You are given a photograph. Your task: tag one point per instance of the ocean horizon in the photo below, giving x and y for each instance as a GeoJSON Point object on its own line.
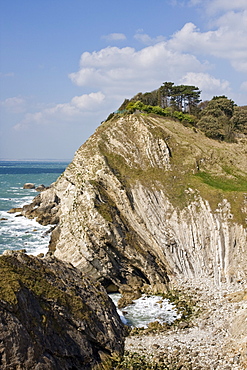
{"type": "Point", "coordinates": [35, 160]}
{"type": "Point", "coordinates": [18, 232]}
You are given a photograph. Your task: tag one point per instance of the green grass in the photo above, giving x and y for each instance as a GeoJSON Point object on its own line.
{"type": "Point", "coordinates": [217, 180]}
{"type": "Point", "coordinates": [238, 184]}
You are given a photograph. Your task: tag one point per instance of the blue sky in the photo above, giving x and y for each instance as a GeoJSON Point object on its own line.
{"type": "Point", "coordinates": [65, 65]}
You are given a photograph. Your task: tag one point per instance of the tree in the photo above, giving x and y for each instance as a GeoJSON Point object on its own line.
{"type": "Point", "coordinates": [216, 119]}
{"type": "Point", "coordinates": [191, 98]}
{"type": "Point", "coordinates": [164, 94]}
{"type": "Point", "coordinates": [211, 127]}
{"type": "Point", "coordinates": [224, 104]}
{"type": "Point", "coordinates": [181, 98]}
{"type": "Point", "coordinates": [239, 119]}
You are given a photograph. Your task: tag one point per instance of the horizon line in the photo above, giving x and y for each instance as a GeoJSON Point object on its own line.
{"type": "Point", "coordinates": [35, 160]}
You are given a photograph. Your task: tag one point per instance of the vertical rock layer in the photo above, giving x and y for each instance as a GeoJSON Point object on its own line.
{"type": "Point", "coordinates": [146, 200]}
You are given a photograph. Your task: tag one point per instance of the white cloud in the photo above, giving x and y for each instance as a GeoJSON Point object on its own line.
{"type": "Point", "coordinates": [88, 101]}
{"type": "Point", "coordinates": [119, 73]}
{"type": "Point", "coordinates": [195, 2]}
{"type": "Point", "coordinates": [30, 118]}
{"type": "Point", "coordinates": [209, 85]}
{"type": "Point", "coordinates": [244, 86]}
{"type": "Point", "coordinates": [146, 39]}
{"type": "Point", "coordinates": [77, 107]}
{"type": "Point", "coordinates": [180, 3]}
{"type": "Point", "coordinates": [15, 104]}
{"type": "Point", "coordinates": [3, 75]}
{"type": "Point", "coordinates": [227, 41]}
{"type": "Point", "coordinates": [117, 68]}
{"type": "Point", "coordinates": [115, 37]}
{"type": "Point", "coordinates": [214, 6]}
{"type": "Point", "coordinates": [128, 71]}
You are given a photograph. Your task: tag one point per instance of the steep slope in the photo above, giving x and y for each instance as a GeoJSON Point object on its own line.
{"type": "Point", "coordinates": [53, 317]}
{"type": "Point", "coordinates": [146, 201]}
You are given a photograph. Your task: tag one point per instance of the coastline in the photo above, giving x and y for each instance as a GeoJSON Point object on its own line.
{"type": "Point", "coordinates": [18, 232]}
{"type": "Point", "coordinates": [213, 340]}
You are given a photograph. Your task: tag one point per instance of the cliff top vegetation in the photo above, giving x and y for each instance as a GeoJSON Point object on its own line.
{"type": "Point", "coordinates": [219, 119]}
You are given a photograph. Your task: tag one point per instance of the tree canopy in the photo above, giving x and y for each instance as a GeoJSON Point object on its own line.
{"type": "Point", "coordinates": [181, 98]}
{"type": "Point", "coordinates": [220, 118]}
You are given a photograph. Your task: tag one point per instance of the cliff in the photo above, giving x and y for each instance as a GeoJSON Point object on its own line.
{"type": "Point", "coordinates": [148, 204]}
{"type": "Point", "coordinates": [146, 201]}
{"type": "Point", "coordinates": [53, 317]}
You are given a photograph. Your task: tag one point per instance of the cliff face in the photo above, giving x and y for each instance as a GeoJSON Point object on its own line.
{"type": "Point", "coordinates": [52, 317]}
{"type": "Point", "coordinates": [146, 200]}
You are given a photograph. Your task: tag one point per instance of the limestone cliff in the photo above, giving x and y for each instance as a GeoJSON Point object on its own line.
{"type": "Point", "coordinates": [146, 200]}
{"type": "Point", "coordinates": [53, 317]}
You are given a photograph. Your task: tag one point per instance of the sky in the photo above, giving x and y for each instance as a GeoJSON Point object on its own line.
{"type": "Point", "coordinates": [65, 65]}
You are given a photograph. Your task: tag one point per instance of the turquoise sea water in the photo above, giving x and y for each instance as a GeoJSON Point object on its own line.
{"type": "Point", "coordinates": [18, 232]}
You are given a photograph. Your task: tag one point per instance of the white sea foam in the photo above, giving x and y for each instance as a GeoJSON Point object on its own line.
{"type": "Point", "coordinates": [18, 202]}
{"type": "Point", "coordinates": [19, 232]}
{"type": "Point", "coordinates": [147, 309]}
{"type": "Point", "coordinates": [23, 233]}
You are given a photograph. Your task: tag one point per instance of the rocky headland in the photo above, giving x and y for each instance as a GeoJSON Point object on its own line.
{"type": "Point", "coordinates": [149, 205]}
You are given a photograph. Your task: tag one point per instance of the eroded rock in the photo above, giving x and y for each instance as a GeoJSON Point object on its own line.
{"type": "Point", "coordinates": [40, 188]}
{"type": "Point", "coordinates": [44, 208]}
{"type": "Point", "coordinates": [133, 203]}
{"type": "Point", "coordinates": [53, 317]}
{"type": "Point", "coordinates": [147, 203]}
{"type": "Point", "coordinates": [15, 210]}
{"type": "Point", "coordinates": [29, 185]}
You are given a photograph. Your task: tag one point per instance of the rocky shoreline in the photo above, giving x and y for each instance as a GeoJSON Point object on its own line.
{"type": "Point", "coordinates": [144, 208]}
{"type": "Point", "coordinates": [212, 338]}
{"type": "Point", "coordinates": [215, 340]}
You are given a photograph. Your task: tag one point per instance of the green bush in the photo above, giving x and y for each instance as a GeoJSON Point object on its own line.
{"type": "Point", "coordinates": [166, 112]}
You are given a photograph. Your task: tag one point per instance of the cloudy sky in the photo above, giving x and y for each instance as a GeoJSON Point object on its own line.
{"type": "Point", "coordinates": [66, 64]}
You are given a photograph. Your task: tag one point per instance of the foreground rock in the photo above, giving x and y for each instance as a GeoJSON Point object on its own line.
{"type": "Point", "coordinates": [52, 317]}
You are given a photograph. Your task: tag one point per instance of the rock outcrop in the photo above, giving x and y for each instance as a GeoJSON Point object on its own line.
{"type": "Point", "coordinates": [28, 185]}
{"type": "Point", "coordinates": [148, 204]}
{"type": "Point", "coordinates": [15, 210]}
{"type": "Point", "coordinates": [53, 317]}
{"type": "Point", "coordinates": [44, 208]}
{"type": "Point", "coordinates": [40, 188]}
{"type": "Point", "coordinates": [147, 200]}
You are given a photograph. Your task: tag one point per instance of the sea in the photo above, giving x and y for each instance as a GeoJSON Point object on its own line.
{"type": "Point", "coordinates": [18, 232]}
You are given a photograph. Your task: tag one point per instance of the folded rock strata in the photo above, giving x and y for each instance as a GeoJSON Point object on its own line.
{"type": "Point", "coordinates": [147, 203]}
{"type": "Point", "coordinates": [146, 200]}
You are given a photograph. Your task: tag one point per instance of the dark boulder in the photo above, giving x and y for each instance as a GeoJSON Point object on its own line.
{"type": "Point", "coordinates": [40, 188]}
{"type": "Point", "coordinates": [53, 317]}
{"type": "Point", "coordinates": [29, 185]}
